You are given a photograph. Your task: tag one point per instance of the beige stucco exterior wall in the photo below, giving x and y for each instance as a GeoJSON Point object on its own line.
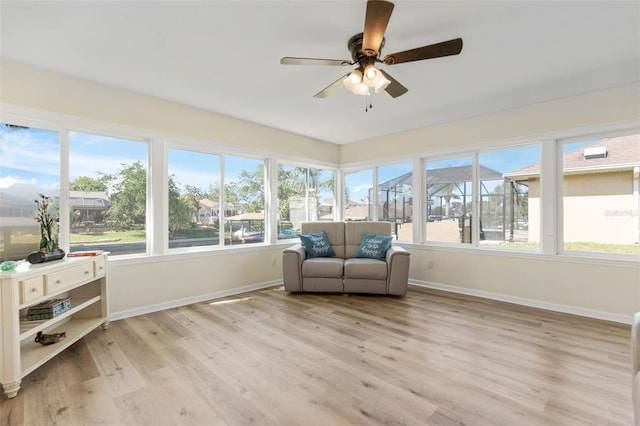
{"type": "Point", "coordinates": [598, 207]}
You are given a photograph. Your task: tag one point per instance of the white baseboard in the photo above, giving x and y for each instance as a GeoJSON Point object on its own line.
{"type": "Point", "coordinates": [114, 316]}
{"type": "Point", "coordinates": [589, 313]}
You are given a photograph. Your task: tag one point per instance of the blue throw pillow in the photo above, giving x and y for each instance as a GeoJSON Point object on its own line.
{"type": "Point", "coordinates": [317, 245]}
{"type": "Point", "coordinates": [374, 246]}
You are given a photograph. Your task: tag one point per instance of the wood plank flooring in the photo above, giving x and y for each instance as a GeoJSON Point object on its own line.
{"type": "Point", "coordinates": [273, 358]}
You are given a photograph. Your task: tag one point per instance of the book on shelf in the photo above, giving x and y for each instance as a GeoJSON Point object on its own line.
{"type": "Point", "coordinates": [84, 253]}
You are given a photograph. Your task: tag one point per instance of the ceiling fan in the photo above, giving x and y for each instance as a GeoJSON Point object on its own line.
{"type": "Point", "coordinates": [365, 51]}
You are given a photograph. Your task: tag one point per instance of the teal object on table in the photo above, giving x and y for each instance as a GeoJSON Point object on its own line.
{"type": "Point", "coordinates": [8, 265]}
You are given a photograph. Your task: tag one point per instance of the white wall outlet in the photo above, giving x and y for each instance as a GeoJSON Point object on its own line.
{"type": "Point", "coordinates": [429, 263]}
{"type": "Point", "coordinates": [274, 261]}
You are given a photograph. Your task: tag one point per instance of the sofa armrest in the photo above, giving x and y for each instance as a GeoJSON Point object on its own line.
{"type": "Point", "coordinates": [635, 366]}
{"type": "Point", "coordinates": [398, 259]}
{"type": "Point", "coordinates": [292, 258]}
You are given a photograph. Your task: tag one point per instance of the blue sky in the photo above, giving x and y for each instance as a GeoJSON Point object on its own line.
{"type": "Point", "coordinates": [32, 156]}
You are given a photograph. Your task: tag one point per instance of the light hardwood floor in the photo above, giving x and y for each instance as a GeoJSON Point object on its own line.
{"type": "Point", "coordinates": [273, 358]}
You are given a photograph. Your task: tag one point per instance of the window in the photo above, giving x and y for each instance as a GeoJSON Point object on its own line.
{"type": "Point", "coordinates": [600, 195]}
{"type": "Point", "coordinates": [395, 200]}
{"type": "Point", "coordinates": [244, 181]}
{"type": "Point", "coordinates": [194, 198]}
{"type": "Point", "coordinates": [107, 194]}
{"type": "Point", "coordinates": [29, 166]}
{"type": "Point", "coordinates": [509, 207]}
{"type": "Point", "coordinates": [358, 187]}
{"type": "Point", "coordinates": [304, 194]}
{"type": "Point", "coordinates": [449, 200]}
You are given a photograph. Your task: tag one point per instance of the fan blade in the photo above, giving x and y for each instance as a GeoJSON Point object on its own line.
{"type": "Point", "coordinates": [375, 24]}
{"type": "Point", "coordinates": [287, 60]}
{"type": "Point", "coordinates": [331, 88]}
{"type": "Point", "coordinates": [445, 48]}
{"type": "Point", "coordinates": [394, 88]}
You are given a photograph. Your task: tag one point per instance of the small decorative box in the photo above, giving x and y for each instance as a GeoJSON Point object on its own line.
{"type": "Point", "coordinates": [49, 309]}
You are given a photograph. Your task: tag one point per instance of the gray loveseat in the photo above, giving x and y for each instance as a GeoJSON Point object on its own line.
{"type": "Point", "coordinates": [344, 273]}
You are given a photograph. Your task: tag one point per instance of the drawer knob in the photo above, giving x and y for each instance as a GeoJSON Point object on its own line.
{"type": "Point", "coordinates": [58, 282]}
{"type": "Point", "coordinates": [33, 289]}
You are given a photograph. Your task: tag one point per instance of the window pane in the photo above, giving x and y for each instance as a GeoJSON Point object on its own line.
{"type": "Point", "coordinates": [600, 195]}
{"type": "Point", "coordinates": [29, 166]}
{"type": "Point", "coordinates": [510, 198]}
{"type": "Point", "coordinates": [244, 200]}
{"type": "Point", "coordinates": [394, 198]}
{"type": "Point", "coordinates": [358, 195]}
{"type": "Point", "coordinates": [304, 195]}
{"type": "Point", "coordinates": [449, 196]}
{"type": "Point", "coordinates": [108, 193]}
{"type": "Point", "coordinates": [194, 196]}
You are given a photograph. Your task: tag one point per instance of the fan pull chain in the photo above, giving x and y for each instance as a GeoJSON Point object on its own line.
{"type": "Point", "coordinates": [367, 100]}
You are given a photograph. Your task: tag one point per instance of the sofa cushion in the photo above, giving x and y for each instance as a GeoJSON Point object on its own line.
{"type": "Point", "coordinates": [373, 246]}
{"type": "Point", "coordinates": [323, 267]}
{"type": "Point", "coordinates": [361, 268]}
{"type": "Point", "coordinates": [353, 234]}
{"type": "Point", "coordinates": [333, 230]}
{"type": "Point", "coordinates": [316, 245]}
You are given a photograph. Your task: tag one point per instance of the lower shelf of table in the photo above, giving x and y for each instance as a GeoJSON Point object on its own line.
{"type": "Point", "coordinates": [33, 355]}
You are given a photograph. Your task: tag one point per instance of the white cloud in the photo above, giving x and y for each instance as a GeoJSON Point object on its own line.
{"type": "Point", "coordinates": [8, 181]}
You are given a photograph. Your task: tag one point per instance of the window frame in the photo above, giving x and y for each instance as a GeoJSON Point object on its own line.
{"type": "Point", "coordinates": [157, 210]}
{"type": "Point", "coordinates": [304, 165]}
{"type": "Point", "coordinates": [615, 131]}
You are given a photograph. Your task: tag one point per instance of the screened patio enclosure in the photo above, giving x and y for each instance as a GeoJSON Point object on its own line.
{"type": "Point", "coordinates": [502, 202]}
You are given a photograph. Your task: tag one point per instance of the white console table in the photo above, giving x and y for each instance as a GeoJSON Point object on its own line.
{"type": "Point", "coordinates": [82, 279]}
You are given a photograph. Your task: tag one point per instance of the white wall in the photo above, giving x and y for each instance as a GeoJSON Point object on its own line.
{"type": "Point", "coordinates": [606, 106]}
{"type": "Point", "coordinates": [139, 286]}
{"type": "Point", "coordinates": [36, 88]}
{"type": "Point", "coordinates": [602, 289]}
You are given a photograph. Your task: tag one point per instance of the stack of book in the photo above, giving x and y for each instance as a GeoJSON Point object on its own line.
{"type": "Point", "coordinates": [49, 309]}
{"type": "Point", "coordinates": [85, 253]}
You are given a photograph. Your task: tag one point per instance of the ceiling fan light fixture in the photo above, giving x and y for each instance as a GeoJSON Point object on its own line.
{"type": "Point", "coordinates": [355, 77]}
{"type": "Point", "coordinates": [370, 75]}
{"type": "Point", "coordinates": [354, 83]}
{"type": "Point", "coordinates": [362, 90]}
{"type": "Point", "coordinates": [381, 83]}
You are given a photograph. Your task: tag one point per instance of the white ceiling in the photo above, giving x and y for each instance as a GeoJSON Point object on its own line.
{"type": "Point", "coordinates": [223, 56]}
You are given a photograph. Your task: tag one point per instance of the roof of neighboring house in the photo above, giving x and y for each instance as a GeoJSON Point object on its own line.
{"type": "Point", "coordinates": [89, 200]}
{"type": "Point", "coordinates": [207, 203]}
{"type": "Point", "coordinates": [246, 216]}
{"type": "Point", "coordinates": [621, 153]}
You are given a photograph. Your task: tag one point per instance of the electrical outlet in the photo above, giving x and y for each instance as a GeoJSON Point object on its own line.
{"type": "Point", "coordinates": [274, 261]}
{"type": "Point", "coordinates": [429, 263]}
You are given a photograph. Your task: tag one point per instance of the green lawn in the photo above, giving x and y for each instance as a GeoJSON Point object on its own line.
{"type": "Point", "coordinates": [109, 237]}
{"type": "Point", "coordinates": [136, 236]}
{"type": "Point", "coordinates": [584, 247]}
{"type": "Point", "coordinates": [139, 236]}
{"type": "Point", "coordinates": [604, 248]}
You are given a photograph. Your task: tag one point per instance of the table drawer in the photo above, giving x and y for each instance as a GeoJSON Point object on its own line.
{"type": "Point", "coordinates": [99, 267]}
{"type": "Point", "coordinates": [57, 281]}
{"type": "Point", "coordinates": [31, 289]}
